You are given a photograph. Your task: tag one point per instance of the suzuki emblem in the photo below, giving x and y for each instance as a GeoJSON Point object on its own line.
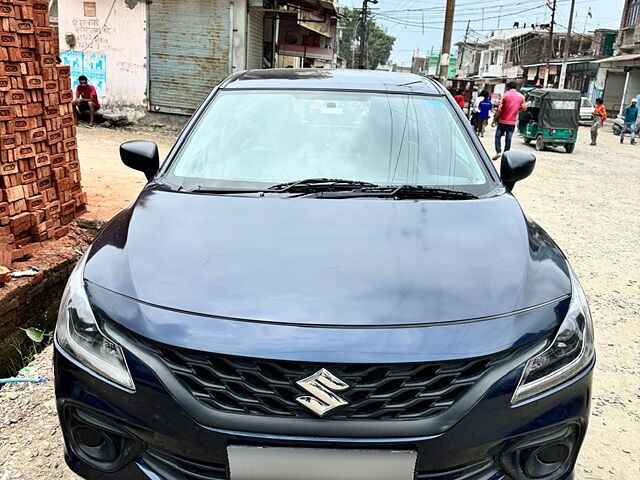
{"type": "Point", "coordinates": [322, 385]}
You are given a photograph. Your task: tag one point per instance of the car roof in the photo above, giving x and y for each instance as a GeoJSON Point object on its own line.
{"type": "Point", "coordinates": [326, 79]}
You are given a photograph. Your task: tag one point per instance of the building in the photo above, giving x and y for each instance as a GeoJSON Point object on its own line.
{"type": "Point", "coordinates": [582, 66]}
{"type": "Point", "coordinates": [166, 55]}
{"type": "Point", "coordinates": [400, 68]}
{"type": "Point", "coordinates": [468, 63]}
{"type": "Point", "coordinates": [428, 65]}
{"type": "Point", "coordinates": [619, 75]}
{"type": "Point", "coordinates": [501, 54]}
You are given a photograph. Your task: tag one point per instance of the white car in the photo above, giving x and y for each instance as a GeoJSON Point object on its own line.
{"type": "Point", "coordinates": [586, 111]}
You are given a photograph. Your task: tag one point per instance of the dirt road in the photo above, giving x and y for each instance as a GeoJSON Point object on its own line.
{"type": "Point", "coordinates": [588, 201]}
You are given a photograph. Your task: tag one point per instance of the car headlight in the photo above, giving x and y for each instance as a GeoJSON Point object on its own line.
{"type": "Point", "coordinates": [78, 333]}
{"type": "Point", "coordinates": [571, 351]}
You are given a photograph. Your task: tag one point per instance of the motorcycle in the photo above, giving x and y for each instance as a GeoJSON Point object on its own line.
{"type": "Point", "coordinates": [618, 124]}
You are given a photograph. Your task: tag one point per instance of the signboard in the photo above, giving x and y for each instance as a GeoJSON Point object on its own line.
{"type": "Point", "coordinates": [316, 23]}
{"type": "Point", "coordinates": [90, 9]}
{"type": "Point", "coordinates": [91, 65]}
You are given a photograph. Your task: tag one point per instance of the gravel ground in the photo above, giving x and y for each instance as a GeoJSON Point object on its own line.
{"type": "Point", "coordinates": [587, 200]}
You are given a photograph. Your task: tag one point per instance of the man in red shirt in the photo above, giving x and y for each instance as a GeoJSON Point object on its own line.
{"type": "Point", "coordinates": [511, 103]}
{"type": "Point", "coordinates": [86, 99]}
{"type": "Point", "coordinates": [459, 98]}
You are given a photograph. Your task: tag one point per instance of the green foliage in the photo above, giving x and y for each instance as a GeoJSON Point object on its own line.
{"type": "Point", "coordinates": [27, 349]}
{"type": "Point", "coordinates": [35, 334]}
{"type": "Point", "coordinates": [379, 44]}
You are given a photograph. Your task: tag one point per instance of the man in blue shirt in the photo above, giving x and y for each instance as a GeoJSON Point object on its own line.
{"type": "Point", "coordinates": [484, 109]}
{"type": "Point", "coordinates": [630, 117]}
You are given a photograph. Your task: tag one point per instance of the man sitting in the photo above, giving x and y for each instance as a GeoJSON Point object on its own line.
{"type": "Point", "coordinates": [86, 100]}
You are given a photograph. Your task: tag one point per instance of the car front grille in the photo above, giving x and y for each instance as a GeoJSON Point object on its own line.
{"type": "Point", "coordinates": [376, 391]}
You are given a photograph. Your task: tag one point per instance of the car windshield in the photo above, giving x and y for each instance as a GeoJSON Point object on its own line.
{"type": "Point", "coordinates": [586, 103]}
{"type": "Point", "coordinates": [258, 138]}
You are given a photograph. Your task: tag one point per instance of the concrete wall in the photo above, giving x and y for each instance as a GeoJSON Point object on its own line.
{"type": "Point", "coordinates": [489, 70]}
{"type": "Point", "coordinates": [119, 36]}
{"type": "Point", "coordinates": [239, 47]}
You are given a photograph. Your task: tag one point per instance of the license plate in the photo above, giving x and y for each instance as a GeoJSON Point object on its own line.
{"type": "Point", "coordinates": [269, 463]}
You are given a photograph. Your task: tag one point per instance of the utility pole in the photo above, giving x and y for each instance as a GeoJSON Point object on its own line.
{"type": "Point", "coordinates": [584, 31]}
{"type": "Point", "coordinates": [567, 45]}
{"type": "Point", "coordinates": [446, 41]}
{"type": "Point", "coordinates": [499, 17]}
{"type": "Point", "coordinates": [464, 44]}
{"type": "Point", "coordinates": [429, 65]}
{"type": "Point", "coordinates": [363, 36]}
{"type": "Point", "coordinates": [550, 46]}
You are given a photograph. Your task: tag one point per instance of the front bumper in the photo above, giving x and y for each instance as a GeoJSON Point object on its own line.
{"type": "Point", "coordinates": [167, 443]}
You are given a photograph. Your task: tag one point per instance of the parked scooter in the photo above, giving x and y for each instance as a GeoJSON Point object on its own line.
{"type": "Point", "coordinates": [618, 123]}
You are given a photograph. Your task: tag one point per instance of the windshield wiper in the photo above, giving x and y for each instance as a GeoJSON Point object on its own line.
{"type": "Point", "coordinates": [223, 191]}
{"type": "Point", "coordinates": [319, 185]}
{"type": "Point", "coordinates": [308, 185]}
{"type": "Point", "coordinates": [403, 192]}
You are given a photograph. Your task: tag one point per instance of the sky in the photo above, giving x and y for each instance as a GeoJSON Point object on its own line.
{"type": "Point", "coordinates": [417, 24]}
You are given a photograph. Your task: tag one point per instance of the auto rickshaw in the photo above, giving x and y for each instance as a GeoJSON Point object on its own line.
{"type": "Point", "coordinates": [552, 118]}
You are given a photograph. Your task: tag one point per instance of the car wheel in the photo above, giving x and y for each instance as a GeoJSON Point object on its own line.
{"type": "Point", "coordinates": [540, 145]}
{"type": "Point", "coordinates": [617, 129]}
{"type": "Point", "coordinates": [569, 147]}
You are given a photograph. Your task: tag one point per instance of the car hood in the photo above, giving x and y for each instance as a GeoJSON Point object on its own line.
{"type": "Point", "coordinates": [356, 262]}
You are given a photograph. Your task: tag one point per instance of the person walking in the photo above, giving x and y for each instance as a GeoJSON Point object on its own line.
{"type": "Point", "coordinates": [511, 103]}
{"type": "Point", "coordinates": [630, 113]}
{"type": "Point", "coordinates": [484, 110]}
{"type": "Point", "coordinates": [599, 117]}
{"type": "Point", "coordinates": [459, 98]}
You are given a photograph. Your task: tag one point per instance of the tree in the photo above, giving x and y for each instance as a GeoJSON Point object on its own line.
{"type": "Point", "coordinates": [379, 44]}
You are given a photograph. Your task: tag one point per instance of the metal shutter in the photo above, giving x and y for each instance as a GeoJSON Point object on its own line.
{"type": "Point", "coordinates": [255, 37]}
{"type": "Point", "coordinates": [188, 52]}
{"type": "Point", "coordinates": [613, 87]}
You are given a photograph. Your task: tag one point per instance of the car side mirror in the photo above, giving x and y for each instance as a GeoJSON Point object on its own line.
{"type": "Point", "coordinates": [516, 166]}
{"type": "Point", "coordinates": [141, 155]}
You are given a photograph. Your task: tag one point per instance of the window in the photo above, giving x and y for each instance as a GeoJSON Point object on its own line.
{"type": "Point", "coordinates": [564, 104]}
{"type": "Point", "coordinates": [267, 137]}
{"type": "Point", "coordinates": [632, 14]}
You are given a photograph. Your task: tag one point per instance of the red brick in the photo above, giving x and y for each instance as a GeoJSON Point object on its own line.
{"type": "Point", "coordinates": [34, 203]}
{"type": "Point", "coordinates": [66, 96]}
{"type": "Point", "coordinates": [5, 84]}
{"type": "Point", "coordinates": [12, 194]}
{"type": "Point", "coordinates": [9, 39]}
{"type": "Point", "coordinates": [27, 177]}
{"type": "Point", "coordinates": [54, 137]}
{"type": "Point", "coordinates": [15, 97]}
{"type": "Point", "coordinates": [25, 151]}
{"type": "Point", "coordinates": [8, 168]}
{"type": "Point", "coordinates": [61, 232]}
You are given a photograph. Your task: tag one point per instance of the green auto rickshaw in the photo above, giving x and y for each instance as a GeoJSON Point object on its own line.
{"type": "Point", "coordinates": [552, 118]}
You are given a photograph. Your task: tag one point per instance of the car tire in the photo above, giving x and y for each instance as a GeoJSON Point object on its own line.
{"type": "Point", "coordinates": [540, 145]}
{"type": "Point", "coordinates": [569, 147]}
{"type": "Point", "coordinates": [617, 130]}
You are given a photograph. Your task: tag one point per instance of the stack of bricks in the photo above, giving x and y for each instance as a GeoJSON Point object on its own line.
{"type": "Point", "coordinates": [40, 192]}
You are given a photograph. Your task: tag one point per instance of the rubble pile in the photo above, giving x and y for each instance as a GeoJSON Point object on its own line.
{"type": "Point", "coordinates": [40, 191]}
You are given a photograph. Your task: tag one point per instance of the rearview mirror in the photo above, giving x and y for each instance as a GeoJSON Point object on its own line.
{"type": "Point", "coordinates": [516, 166]}
{"type": "Point", "coordinates": [141, 155]}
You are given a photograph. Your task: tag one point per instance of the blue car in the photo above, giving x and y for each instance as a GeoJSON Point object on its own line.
{"type": "Point", "coordinates": [326, 279]}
